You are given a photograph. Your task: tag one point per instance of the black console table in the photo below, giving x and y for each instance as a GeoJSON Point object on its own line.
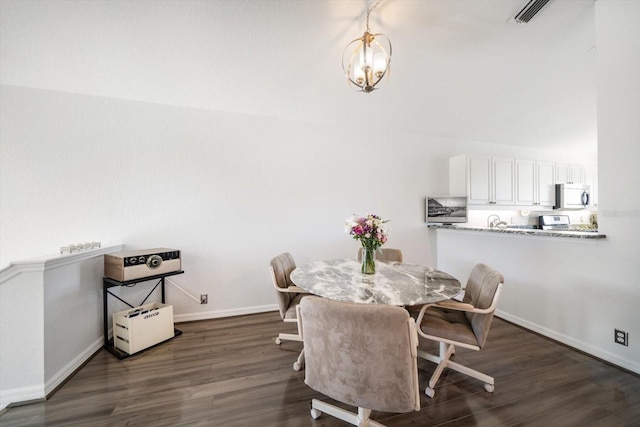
{"type": "Point", "coordinates": [108, 283]}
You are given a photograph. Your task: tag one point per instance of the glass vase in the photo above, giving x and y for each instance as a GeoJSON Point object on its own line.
{"type": "Point", "coordinates": [368, 260]}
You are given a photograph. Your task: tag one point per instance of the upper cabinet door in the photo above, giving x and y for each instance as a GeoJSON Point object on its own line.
{"type": "Point", "coordinates": [525, 182]}
{"type": "Point", "coordinates": [479, 180]}
{"type": "Point", "coordinates": [545, 183]}
{"type": "Point", "coordinates": [562, 173]}
{"type": "Point", "coordinates": [576, 174]}
{"type": "Point", "coordinates": [503, 181]}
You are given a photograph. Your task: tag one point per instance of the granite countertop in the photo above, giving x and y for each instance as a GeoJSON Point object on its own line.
{"type": "Point", "coordinates": [524, 231]}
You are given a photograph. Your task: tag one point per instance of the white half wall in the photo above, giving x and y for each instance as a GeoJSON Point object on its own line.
{"type": "Point", "coordinates": [567, 289]}
{"type": "Point", "coordinates": [51, 321]}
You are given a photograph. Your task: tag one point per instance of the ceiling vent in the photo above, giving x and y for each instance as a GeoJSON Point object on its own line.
{"type": "Point", "coordinates": [530, 10]}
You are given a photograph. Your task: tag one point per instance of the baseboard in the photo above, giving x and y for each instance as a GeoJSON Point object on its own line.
{"type": "Point", "coordinates": [614, 359]}
{"type": "Point", "coordinates": [204, 315]}
{"type": "Point", "coordinates": [40, 392]}
{"type": "Point", "coordinates": [63, 374]}
{"type": "Point", "coordinates": [23, 394]}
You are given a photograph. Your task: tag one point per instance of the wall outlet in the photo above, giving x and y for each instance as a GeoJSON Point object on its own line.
{"type": "Point", "coordinates": [204, 298]}
{"type": "Point", "coordinates": [621, 337]}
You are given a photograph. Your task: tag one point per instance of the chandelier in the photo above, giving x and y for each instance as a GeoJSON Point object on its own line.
{"type": "Point", "coordinates": [366, 60]}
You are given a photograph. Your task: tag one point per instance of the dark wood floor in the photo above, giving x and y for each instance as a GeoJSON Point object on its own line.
{"type": "Point", "coordinates": [228, 372]}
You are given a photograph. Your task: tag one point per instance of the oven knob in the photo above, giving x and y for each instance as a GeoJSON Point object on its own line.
{"type": "Point", "coordinates": [133, 260]}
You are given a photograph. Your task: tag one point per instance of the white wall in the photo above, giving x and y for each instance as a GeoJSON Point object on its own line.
{"type": "Point", "coordinates": [618, 59]}
{"type": "Point", "coordinates": [230, 191]}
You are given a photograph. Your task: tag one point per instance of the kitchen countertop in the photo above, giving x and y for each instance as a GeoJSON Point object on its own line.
{"type": "Point", "coordinates": [524, 231]}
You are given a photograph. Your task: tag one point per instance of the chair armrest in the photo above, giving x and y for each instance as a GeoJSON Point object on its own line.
{"type": "Point", "coordinates": [455, 305]}
{"type": "Point", "coordinates": [292, 289]}
{"type": "Point", "coordinates": [452, 304]}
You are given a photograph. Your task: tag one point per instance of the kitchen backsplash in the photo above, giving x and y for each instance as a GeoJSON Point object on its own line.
{"type": "Point", "coordinates": [478, 218]}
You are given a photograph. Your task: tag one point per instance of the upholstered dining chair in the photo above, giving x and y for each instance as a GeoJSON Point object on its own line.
{"type": "Point", "coordinates": [385, 254]}
{"type": "Point", "coordinates": [465, 324]}
{"type": "Point", "coordinates": [289, 297]}
{"type": "Point", "coordinates": [363, 355]}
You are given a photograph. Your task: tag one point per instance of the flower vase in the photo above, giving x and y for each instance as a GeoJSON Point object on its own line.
{"type": "Point", "coordinates": [368, 260]}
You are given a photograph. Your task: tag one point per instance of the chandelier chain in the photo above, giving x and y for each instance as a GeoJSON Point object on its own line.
{"type": "Point", "coordinates": [371, 10]}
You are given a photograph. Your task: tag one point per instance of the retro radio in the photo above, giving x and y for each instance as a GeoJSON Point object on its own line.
{"type": "Point", "coordinates": [131, 265]}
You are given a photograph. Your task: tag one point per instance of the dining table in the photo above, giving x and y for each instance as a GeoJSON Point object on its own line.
{"type": "Point", "coordinates": [393, 283]}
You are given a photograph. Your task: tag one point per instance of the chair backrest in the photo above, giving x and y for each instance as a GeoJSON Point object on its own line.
{"type": "Point", "coordinates": [481, 292]}
{"type": "Point", "coordinates": [361, 354]}
{"type": "Point", "coordinates": [385, 254]}
{"type": "Point", "coordinates": [281, 268]}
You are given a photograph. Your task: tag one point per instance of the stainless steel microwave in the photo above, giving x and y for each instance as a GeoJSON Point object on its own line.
{"type": "Point", "coordinates": [572, 196]}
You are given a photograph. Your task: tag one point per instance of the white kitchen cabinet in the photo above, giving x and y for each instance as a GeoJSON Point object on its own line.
{"type": "Point", "coordinates": [535, 183]}
{"type": "Point", "coordinates": [485, 180]}
{"type": "Point", "coordinates": [562, 173]}
{"type": "Point", "coordinates": [491, 180]}
{"type": "Point", "coordinates": [545, 184]}
{"type": "Point", "coordinates": [503, 181]}
{"type": "Point", "coordinates": [569, 174]}
{"type": "Point", "coordinates": [478, 179]}
{"type": "Point", "coordinates": [525, 182]}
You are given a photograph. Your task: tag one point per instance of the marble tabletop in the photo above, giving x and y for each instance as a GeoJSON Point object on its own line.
{"type": "Point", "coordinates": [393, 283]}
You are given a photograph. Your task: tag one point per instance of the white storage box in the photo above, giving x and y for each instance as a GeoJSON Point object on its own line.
{"type": "Point", "coordinates": [141, 327]}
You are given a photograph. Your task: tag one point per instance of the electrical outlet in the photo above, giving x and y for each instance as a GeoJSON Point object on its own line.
{"type": "Point", "coordinates": [204, 298]}
{"type": "Point", "coordinates": [621, 337]}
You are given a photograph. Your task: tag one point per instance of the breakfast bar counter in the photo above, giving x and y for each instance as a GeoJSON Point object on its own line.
{"type": "Point", "coordinates": [570, 234]}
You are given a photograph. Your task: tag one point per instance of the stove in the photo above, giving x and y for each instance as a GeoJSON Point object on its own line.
{"type": "Point", "coordinates": [554, 222]}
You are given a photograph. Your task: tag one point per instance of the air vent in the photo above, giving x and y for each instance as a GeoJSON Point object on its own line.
{"type": "Point", "coordinates": [529, 11]}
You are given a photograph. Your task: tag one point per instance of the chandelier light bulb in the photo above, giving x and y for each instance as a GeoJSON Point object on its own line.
{"type": "Point", "coordinates": [379, 65]}
{"type": "Point", "coordinates": [358, 74]}
{"type": "Point", "coordinates": [366, 55]}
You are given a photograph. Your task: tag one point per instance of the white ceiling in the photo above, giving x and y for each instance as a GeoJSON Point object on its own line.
{"type": "Point", "coordinates": [459, 69]}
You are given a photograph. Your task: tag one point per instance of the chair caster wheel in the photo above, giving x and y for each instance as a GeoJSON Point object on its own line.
{"type": "Point", "coordinates": [297, 366]}
{"type": "Point", "coordinates": [429, 392]}
{"type": "Point", "coordinates": [315, 414]}
{"type": "Point", "coordinates": [489, 387]}
{"type": "Point", "coordinates": [278, 342]}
